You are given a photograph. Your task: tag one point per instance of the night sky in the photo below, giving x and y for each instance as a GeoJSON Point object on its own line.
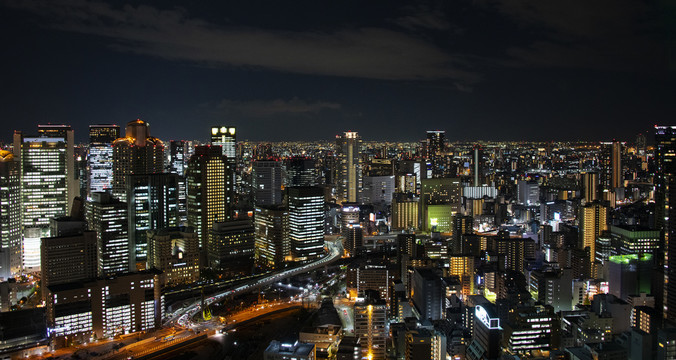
{"type": "Point", "coordinates": [303, 70]}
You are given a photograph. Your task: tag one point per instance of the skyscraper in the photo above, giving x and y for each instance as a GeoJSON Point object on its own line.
{"type": "Point", "coordinates": [592, 222]}
{"type": "Point", "coordinates": [272, 242]}
{"type": "Point", "coordinates": [616, 178]}
{"type": "Point", "coordinates": [47, 178]}
{"type": "Point", "coordinates": [136, 153]}
{"type": "Point", "coordinates": [435, 152]}
{"type": "Point", "coordinates": [665, 211]}
{"type": "Point", "coordinates": [370, 325]}
{"type": "Point", "coordinates": [152, 202]}
{"type": "Point", "coordinates": [300, 171]}
{"type": "Point", "coordinates": [177, 165]}
{"type": "Point", "coordinates": [107, 216]}
{"type": "Point", "coordinates": [477, 165]}
{"type": "Point", "coordinates": [306, 222]}
{"type": "Point", "coordinates": [230, 249]}
{"type": "Point", "coordinates": [349, 177]}
{"type": "Point", "coordinates": [206, 188]}
{"type": "Point", "coordinates": [590, 183]}
{"type": "Point", "coordinates": [224, 136]}
{"type": "Point", "coordinates": [267, 182]}
{"type": "Point", "coordinates": [10, 216]}
{"type": "Point", "coordinates": [100, 159]}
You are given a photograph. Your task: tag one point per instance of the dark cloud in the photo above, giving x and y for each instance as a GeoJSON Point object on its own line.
{"type": "Point", "coordinates": [267, 108]}
{"type": "Point", "coordinates": [616, 35]}
{"type": "Point", "coordinates": [366, 52]}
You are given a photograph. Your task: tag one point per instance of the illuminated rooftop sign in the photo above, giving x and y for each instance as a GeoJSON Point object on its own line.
{"type": "Point", "coordinates": [482, 315]}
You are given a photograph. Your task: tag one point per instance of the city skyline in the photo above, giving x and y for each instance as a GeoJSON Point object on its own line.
{"type": "Point", "coordinates": [481, 70]}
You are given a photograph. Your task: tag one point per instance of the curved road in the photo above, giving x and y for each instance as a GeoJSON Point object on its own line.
{"type": "Point", "coordinates": [186, 313]}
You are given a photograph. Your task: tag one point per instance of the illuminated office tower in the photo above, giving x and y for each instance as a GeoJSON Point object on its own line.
{"type": "Point", "coordinates": [177, 165]}
{"type": "Point", "coordinates": [136, 153]}
{"type": "Point", "coordinates": [100, 159]}
{"type": "Point", "coordinates": [272, 242]}
{"type": "Point", "coordinates": [66, 258]}
{"type": "Point", "coordinates": [10, 216]}
{"type": "Point", "coordinates": [593, 221]}
{"type": "Point", "coordinates": [616, 178]}
{"type": "Point", "coordinates": [378, 190]}
{"type": "Point", "coordinates": [349, 176]}
{"type": "Point", "coordinates": [267, 182]}
{"type": "Point", "coordinates": [360, 278]}
{"type": "Point", "coordinates": [230, 249]}
{"type": "Point", "coordinates": [590, 184]}
{"type": "Point", "coordinates": [371, 326]}
{"type": "Point", "coordinates": [665, 212]}
{"type": "Point", "coordinates": [440, 191]}
{"type": "Point", "coordinates": [404, 212]}
{"type": "Point", "coordinates": [224, 136]}
{"type": "Point", "coordinates": [300, 171]}
{"type": "Point", "coordinates": [530, 329]}
{"type": "Point", "coordinates": [175, 252]}
{"type": "Point", "coordinates": [48, 183]}
{"type": "Point", "coordinates": [206, 188]}
{"type": "Point", "coordinates": [152, 202]}
{"type": "Point", "coordinates": [306, 222]}
{"type": "Point", "coordinates": [477, 165]}
{"type": "Point", "coordinates": [435, 151]}
{"type": "Point", "coordinates": [107, 216]}
{"type": "Point", "coordinates": [104, 308]}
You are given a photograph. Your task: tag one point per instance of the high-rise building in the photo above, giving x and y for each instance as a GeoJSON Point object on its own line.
{"type": "Point", "coordinates": [592, 222]}
{"type": "Point", "coordinates": [354, 238]}
{"type": "Point", "coordinates": [436, 148]}
{"type": "Point", "coordinates": [272, 242]}
{"type": "Point", "coordinates": [225, 137]}
{"type": "Point", "coordinates": [349, 179]}
{"type": "Point", "coordinates": [528, 192]}
{"type": "Point", "coordinates": [300, 171]}
{"type": "Point", "coordinates": [665, 212]}
{"type": "Point", "coordinates": [616, 178]}
{"type": "Point", "coordinates": [404, 212]}
{"type": "Point", "coordinates": [107, 217]}
{"type": "Point", "coordinates": [371, 325]}
{"type": "Point", "coordinates": [100, 159]}
{"type": "Point", "coordinates": [485, 342]}
{"type": "Point", "coordinates": [68, 258]}
{"type": "Point", "coordinates": [378, 190]}
{"type": "Point", "coordinates": [428, 294]}
{"type": "Point", "coordinates": [47, 179]}
{"type": "Point", "coordinates": [306, 222]}
{"type": "Point", "coordinates": [462, 266]}
{"type": "Point", "coordinates": [152, 203]}
{"type": "Point", "coordinates": [136, 153]}
{"type": "Point", "coordinates": [207, 190]}
{"type": "Point", "coordinates": [635, 240]}
{"type": "Point", "coordinates": [439, 191]}
{"type": "Point", "coordinates": [82, 311]}
{"type": "Point", "coordinates": [10, 216]}
{"type": "Point", "coordinates": [530, 329]}
{"type": "Point", "coordinates": [231, 246]}
{"type": "Point", "coordinates": [477, 165]}
{"type": "Point", "coordinates": [362, 277]}
{"type": "Point", "coordinates": [590, 184]}
{"type": "Point", "coordinates": [178, 162]}
{"type": "Point", "coordinates": [425, 344]}
{"type": "Point", "coordinates": [175, 252]}
{"type": "Point", "coordinates": [267, 181]}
